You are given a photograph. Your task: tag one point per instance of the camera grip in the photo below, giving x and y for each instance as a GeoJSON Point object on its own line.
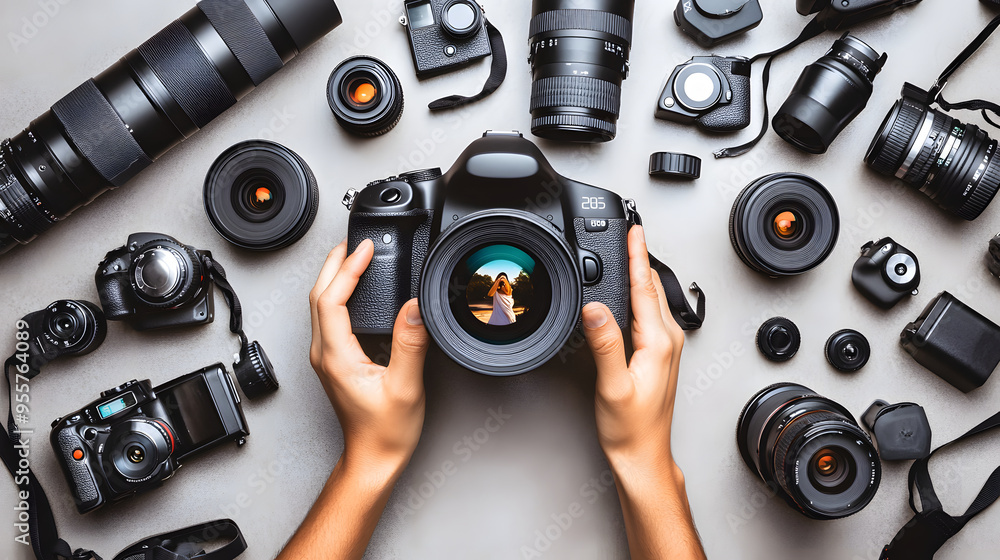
{"type": "Point", "coordinates": [611, 246]}
{"type": "Point", "coordinates": [401, 241]}
{"type": "Point", "coordinates": [735, 115]}
{"type": "Point", "coordinates": [111, 289]}
{"type": "Point", "coordinates": [78, 474]}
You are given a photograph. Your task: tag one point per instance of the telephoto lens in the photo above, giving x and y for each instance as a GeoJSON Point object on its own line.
{"type": "Point", "coordinates": [828, 95]}
{"type": "Point", "coordinates": [578, 53]}
{"type": "Point", "coordinates": [261, 196]}
{"type": "Point", "coordinates": [365, 96]}
{"type": "Point", "coordinates": [953, 163]}
{"type": "Point", "coordinates": [784, 224]}
{"type": "Point", "coordinates": [113, 126]}
{"type": "Point", "coordinates": [810, 450]}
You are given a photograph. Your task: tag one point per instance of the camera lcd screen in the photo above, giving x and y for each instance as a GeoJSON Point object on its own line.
{"type": "Point", "coordinates": [420, 14]}
{"type": "Point", "coordinates": [193, 412]}
{"type": "Point", "coordinates": [115, 406]}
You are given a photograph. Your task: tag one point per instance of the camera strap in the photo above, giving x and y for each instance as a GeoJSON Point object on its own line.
{"type": "Point", "coordinates": [184, 544]}
{"type": "Point", "coordinates": [814, 28]}
{"type": "Point", "coordinates": [931, 527]}
{"type": "Point", "coordinates": [498, 71]}
{"type": "Point", "coordinates": [218, 275]}
{"type": "Point", "coordinates": [934, 95]}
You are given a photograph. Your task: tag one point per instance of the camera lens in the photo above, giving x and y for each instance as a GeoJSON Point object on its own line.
{"type": "Point", "coordinates": [259, 195]}
{"type": "Point", "coordinates": [365, 96]}
{"type": "Point", "coordinates": [810, 450]}
{"type": "Point", "coordinates": [461, 18]}
{"type": "Point", "coordinates": [135, 453]}
{"type": "Point", "coordinates": [75, 326]}
{"type": "Point", "coordinates": [828, 95]}
{"type": "Point", "coordinates": [111, 127]}
{"type": "Point", "coordinates": [848, 350]}
{"type": "Point", "coordinates": [579, 59]}
{"type": "Point", "coordinates": [952, 163]}
{"type": "Point", "coordinates": [501, 292]}
{"type": "Point", "coordinates": [784, 224]}
{"type": "Point", "coordinates": [136, 448]}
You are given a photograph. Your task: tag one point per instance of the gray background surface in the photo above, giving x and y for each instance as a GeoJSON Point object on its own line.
{"type": "Point", "coordinates": [545, 457]}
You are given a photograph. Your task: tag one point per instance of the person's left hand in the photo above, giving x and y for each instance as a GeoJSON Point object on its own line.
{"type": "Point", "coordinates": [381, 409]}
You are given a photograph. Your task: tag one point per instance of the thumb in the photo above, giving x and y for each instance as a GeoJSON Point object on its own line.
{"type": "Point", "coordinates": [605, 340]}
{"type": "Point", "coordinates": [409, 342]}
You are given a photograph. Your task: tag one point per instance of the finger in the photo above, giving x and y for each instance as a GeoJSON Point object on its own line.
{"type": "Point", "coordinates": [333, 261]}
{"type": "Point", "coordinates": [606, 343]}
{"type": "Point", "coordinates": [409, 348]}
{"type": "Point", "coordinates": [334, 320]}
{"type": "Point", "coordinates": [646, 315]}
{"type": "Point", "coordinates": [676, 336]}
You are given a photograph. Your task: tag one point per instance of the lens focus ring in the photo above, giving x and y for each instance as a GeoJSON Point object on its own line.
{"type": "Point", "coordinates": [591, 20]}
{"type": "Point", "coordinates": [985, 191]}
{"type": "Point", "coordinates": [576, 91]}
{"type": "Point", "coordinates": [901, 130]}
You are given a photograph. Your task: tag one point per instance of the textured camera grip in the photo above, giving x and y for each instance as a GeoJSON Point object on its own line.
{"type": "Point", "coordinates": [78, 474]}
{"type": "Point", "coordinates": [612, 246]}
{"type": "Point", "coordinates": [735, 115]}
{"type": "Point", "coordinates": [393, 277]}
{"type": "Point", "coordinates": [429, 45]}
{"type": "Point", "coordinates": [111, 291]}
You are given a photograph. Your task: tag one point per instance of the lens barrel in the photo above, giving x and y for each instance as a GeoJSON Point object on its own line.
{"type": "Point", "coordinates": [579, 52]}
{"type": "Point", "coordinates": [365, 96]}
{"type": "Point", "coordinates": [113, 126]}
{"type": "Point", "coordinates": [784, 224]}
{"type": "Point", "coordinates": [953, 163]}
{"type": "Point", "coordinates": [810, 450]}
{"type": "Point", "coordinates": [828, 95]}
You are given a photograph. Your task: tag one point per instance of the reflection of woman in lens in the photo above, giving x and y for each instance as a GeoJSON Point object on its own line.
{"type": "Point", "coordinates": [503, 301]}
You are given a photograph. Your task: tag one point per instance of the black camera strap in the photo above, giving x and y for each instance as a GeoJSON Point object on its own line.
{"type": "Point", "coordinates": [931, 527]}
{"type": "Point", "coordinates": [184, 544]}
{"type": "Point", "coordinates": [934, 95]}
{"type": "Point", "coordinates": [218, 275]}
{"type": "Point", "coordinates": [498, 71]}
{"type": "Point", "coordinates": [813, 29]}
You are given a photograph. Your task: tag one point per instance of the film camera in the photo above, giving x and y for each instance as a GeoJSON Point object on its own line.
{"type": "Point", "coordinates": [710, 91]}
{"type": "Point", "coordinates": [445, 34]}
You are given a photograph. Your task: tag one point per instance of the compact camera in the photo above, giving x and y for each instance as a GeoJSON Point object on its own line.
{"type": "Point", "coordinates": [445, 34]}
{"type": "Point", "coordinates": [710, 91]}
{"type": "Point", "coordinates": [65, 328]}
{"type": "Point", "coordinates": [501, 212]}
{"type": "Point", "coordinates": [155, 281]}
{"type": "Point", "coordinates": [886, 272]}
{"type": "Point", "coordinates": [135, 436]}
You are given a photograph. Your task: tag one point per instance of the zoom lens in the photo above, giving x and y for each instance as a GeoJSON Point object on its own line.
{"type": "Point", "coordinates": [113, 126]}
{"type": "Point", "coordinates": [810, 450]}
{"type": "Point", "coordinates": [828, 95]}
{"type": "Point", "coordinates": [579, 53]}
{"type": "Point", "coordinates": [501, 292]}
{"type": "Point", "coordinates": [784, 224]}
{"type": "Point", "coordinates": [953, 163]}
{"type": "Point", "coordinates": [261, 196]}
{"type": "Point", "coordinates": [365, 96]}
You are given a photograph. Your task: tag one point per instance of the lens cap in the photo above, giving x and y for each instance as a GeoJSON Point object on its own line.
{"type": "Point", "coordinates": [255, 372]}
{"type": "Point", "coordinates": [671, 165]}
{"type": "Point", "coordinates": [778, 339]}
{"type": "Point", "coordinates": [848, 350]}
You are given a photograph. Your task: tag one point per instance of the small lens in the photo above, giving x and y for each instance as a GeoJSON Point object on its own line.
{"type": "Point", "coordinates": [786, 225]}
{"type": "Point", "coordinates": [135, 453]}
{"type": "Point", "coordinates": [63, 325]}
{"type": "Point", "coordinates": [365, 96]}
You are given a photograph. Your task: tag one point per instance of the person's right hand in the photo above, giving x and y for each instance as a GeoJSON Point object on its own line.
{"type": "Point", "coordinates": [635, 400]}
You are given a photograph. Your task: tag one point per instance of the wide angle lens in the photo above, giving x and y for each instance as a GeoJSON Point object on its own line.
{"type": "Point", "coordinates": [579, 52]}
{"type": "Point", "coordinates": [810, 449]}
{"type": "Point", "coordinates": [113, 126]}
{"type": "Point", "coordinates": [501, 292]}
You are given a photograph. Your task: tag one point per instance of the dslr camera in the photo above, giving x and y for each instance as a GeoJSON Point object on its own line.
{"type": "Point", "coordinates": [502, 251]}
{"type": "Point", "coordinates": [155, 281]}
{"type": "Point", "coordinates": [712, 92]}
{"type": "Point", "coordinates": [445, 34]}
{"type": "Point", "coordinates": [135, 436]}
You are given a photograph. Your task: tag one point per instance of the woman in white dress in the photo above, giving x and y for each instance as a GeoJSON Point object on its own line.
{"type": "Point", "coordinates": [503, 301]}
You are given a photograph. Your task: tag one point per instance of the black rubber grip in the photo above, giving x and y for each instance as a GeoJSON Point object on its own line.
{"type": "Point", "coordinates": [78, 474]}
{"type": "Point", "coordinates": [589, 20]}
{"type": "Point", "coordinates": [244, 35]}
{"type": "Point", "coordinates": [576, 91]}
{"type": "Point", "coordinates": [100, 135]}
{"type": "Point", "coordinates": [188, 75]}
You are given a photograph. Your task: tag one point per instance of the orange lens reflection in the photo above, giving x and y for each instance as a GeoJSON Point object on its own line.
{"type": "Point", "coordinates": [364, 93]}
{"type": "Point", "coordinates": [786, 225]}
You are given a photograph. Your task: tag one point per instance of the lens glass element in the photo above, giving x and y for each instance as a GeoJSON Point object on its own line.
{"type": "Point", "coordinates": [500, 289]}
{"type": "Point", "coordinates": [786, 225]}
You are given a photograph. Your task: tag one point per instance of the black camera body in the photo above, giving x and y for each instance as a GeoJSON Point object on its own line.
{"type": "Point", "coordinates": [886, 272]}
{"type": "Point", "coordinates": [64, 328]}
{"type": "Point", "coordinates": [135, 436]}
{"type": "Point", "coordinates": [445, 34]}
{"type": "Point", "coordinates": [710, 91]}
{"type": "Point", "coordinates": [840, 15]}
{"type": "Point", "coordinates": [501, 191]}
{"type": "Point", "coordinates": [155, 281]}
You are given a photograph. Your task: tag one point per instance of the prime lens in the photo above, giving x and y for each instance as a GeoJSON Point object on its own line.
{"type": "Point", "coordinates": [113, 126]}
{"type": "Point", "coordinates": [951, 162]}
{"type": "Point", "coordinates": [579, 52]}
{"type": "Point", "coordinates": [810, 450]}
